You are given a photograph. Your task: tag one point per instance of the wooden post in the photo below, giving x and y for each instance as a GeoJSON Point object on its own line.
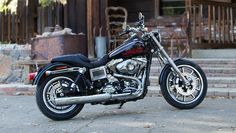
{"type": "Point", "coordinates": [157, 8]}
{"type": "Point", "coordinates": [209, 23]}
{"type": "Point", "coordinates": [90, 29]}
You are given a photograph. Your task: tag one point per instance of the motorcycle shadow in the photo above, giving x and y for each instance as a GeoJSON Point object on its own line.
{"type": "Point", "coordinates": [107, 113]}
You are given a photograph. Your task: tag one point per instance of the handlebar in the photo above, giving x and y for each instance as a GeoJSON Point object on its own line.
{"type": "Point", "coordinates": [139, 27]}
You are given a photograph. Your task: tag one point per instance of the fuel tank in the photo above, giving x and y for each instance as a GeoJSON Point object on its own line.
{"type": "Point", "coordinates": [132, 47]}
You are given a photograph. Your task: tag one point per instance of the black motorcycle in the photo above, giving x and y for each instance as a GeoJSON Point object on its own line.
{"type": "Point", "coordinates": [70, 81]}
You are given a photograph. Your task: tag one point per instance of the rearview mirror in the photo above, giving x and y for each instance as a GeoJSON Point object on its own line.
{"type": "Point", "coordinates": [140, 16]}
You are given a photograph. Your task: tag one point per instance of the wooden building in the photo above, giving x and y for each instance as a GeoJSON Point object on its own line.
{"type": "Point", "coordinates": [197, 23]}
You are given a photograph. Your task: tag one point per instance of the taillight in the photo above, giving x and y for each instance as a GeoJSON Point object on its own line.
{"type": "Point", "coordinates": [31, 76]}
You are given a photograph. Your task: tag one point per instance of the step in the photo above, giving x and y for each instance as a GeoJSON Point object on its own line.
{"type": "Point", "coordinates": [230, 63]}
{"type": "Point", "coordinates": [213, 82]}
{"type": "Point", "coordinates": [209, 71]}
{"type": "Point", "coordinates": [214, 53]}
{"type": "Point", "coordinates": [212, 92]}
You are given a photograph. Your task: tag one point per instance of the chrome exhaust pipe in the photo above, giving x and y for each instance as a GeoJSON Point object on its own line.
{"type": "Point", "coordinates": [101, 97]}
{"type": "Point", "coordinates": [82, 99]}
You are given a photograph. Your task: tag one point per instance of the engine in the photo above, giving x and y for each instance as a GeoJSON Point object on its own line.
{"type": "Point", "coordinates": [131, 67]}
{"type": "Point", "coordinates": [123, 77]}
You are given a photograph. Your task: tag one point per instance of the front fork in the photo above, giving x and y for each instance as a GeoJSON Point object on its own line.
{"type": "Point", "coordinates": [171, 62]}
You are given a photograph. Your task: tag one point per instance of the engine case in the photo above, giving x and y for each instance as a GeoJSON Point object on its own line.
{"type": "Point", "coordinates": [130, 66]}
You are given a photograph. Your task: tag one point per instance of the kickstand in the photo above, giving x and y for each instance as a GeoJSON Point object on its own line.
{"type": "Point", "coordinates": [121, 104]}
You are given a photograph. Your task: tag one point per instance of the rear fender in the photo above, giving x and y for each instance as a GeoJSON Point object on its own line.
{"type": "Point", "coordinates": [167, 66]}
{"type": "Point", "coordinates": [41, 73]}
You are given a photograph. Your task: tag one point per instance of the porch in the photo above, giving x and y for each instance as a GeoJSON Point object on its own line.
{"type": "Point", "coordinates": [185, 24]}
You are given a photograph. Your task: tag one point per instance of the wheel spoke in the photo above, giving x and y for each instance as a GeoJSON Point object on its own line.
{"type": "Point", "coordinates": [178, 95]}
{"type": "Point", "coordinates": [192, 72]}
{"type": "Point", "coordinates": [183, 98]}
{"type": "Point", "coordinates": [198, 89]}
{"type": "Point", "coordinates": [193, 96]}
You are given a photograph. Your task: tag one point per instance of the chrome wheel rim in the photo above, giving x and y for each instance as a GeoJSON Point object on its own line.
{"type": "Point", "coordinates": [50, 92]}
{"type": "Point", "coordinates": [177, 90]}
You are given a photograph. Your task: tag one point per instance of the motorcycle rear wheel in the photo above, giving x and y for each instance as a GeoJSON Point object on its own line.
{"type": "Point", "coordinates": [51, 88]}
{"type": "Point", "coordinates": [174, 91]}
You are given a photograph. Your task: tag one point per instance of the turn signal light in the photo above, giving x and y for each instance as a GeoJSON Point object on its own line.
{"type": "Point", "coordinates": [31, 76]}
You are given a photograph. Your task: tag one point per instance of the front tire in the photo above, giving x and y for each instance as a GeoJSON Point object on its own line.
{"type": "Point", "coordinates": [174, 91]}
{"type": "Point", "coordinates": [51, 88]}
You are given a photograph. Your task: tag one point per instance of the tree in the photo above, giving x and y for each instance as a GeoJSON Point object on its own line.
{"type": "Point", "coordinates": [4, 4]}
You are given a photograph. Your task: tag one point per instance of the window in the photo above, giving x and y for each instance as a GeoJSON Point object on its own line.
{"type": "Point", "coordinates": [172, 7]}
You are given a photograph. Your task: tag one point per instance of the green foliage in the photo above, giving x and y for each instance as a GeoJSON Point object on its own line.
{"type": "Point", "coordinates": [45, 3]}
{"type": "Point", "coordinates": [3, 5]}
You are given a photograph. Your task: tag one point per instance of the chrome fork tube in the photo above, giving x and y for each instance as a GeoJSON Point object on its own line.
{"type": "Point", "coordinates": [169, 59]}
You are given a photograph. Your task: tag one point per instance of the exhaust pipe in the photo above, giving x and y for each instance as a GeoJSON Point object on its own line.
{"type": "Point", "coordinates": [93, 98]}
{"type": "Point", "coordinates": [101, 97]}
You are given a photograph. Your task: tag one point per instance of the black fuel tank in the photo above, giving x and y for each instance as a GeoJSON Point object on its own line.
{"type": "Point", "coordinates": [130, 48]}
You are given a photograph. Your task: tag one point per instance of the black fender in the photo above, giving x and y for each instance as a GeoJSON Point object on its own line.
{"type": "Point", "coordinates": [167, 66]}
{"type": "Point", "coordinates": [41, 73]}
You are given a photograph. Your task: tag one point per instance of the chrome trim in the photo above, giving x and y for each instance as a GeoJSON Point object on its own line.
{"type": "Point", "coordinates": [94, 77]}
{"type": "Point", "coordinates": [72, 69]}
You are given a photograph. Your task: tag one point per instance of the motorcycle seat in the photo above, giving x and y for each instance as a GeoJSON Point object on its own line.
{"type": "Point", "coordinates": [80, 60]}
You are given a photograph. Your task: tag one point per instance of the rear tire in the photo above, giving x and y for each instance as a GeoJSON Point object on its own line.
{"type": "Point", "coordinates": [49, 89]}
{"type": "Point", "coordinates": [177, 95]}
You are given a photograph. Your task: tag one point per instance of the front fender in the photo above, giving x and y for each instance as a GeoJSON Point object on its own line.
{"type": "Point", "coordinates": [167, 66]}
{"type": "Point", "coordinates": [41, 73]}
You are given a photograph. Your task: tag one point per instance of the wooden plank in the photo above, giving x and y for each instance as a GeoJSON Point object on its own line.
{"type": "Point", "coordinates": [157, 8]}
{"type": "Point", "coordinates": [39, 20]}
{"type": "Point", "coordinates": [219, 24]}
{"type": "Point", "coordinates": [223, 24]}
{"type": "Point", "coordinates": [103, 6]}
{"type": "Point", "coordinates": [209, 23]}
{"type": "Point", "coordinates": [232, 24]}
{"type": "Point", "coordinates": [65, 11]}
{"type": "Point", "coordinates": [16, 28]}
{"type": "Point", "coordinates": [43, 21]}
{"type": "Point", "coordinates": [200, 23]}
{"type": "Point", "coordinates": [213, 46]}
{"type": "Point", "coordinates": [207, 2]}
{"type": "Point", "coordinates": [90, 29]}
{"type": "Point", "coordinates": [13, 27]}
{"type": "Point", "coordinates": [9, 26]}
{"type": "Point", "coordinates": [228, 24]}
{"type": "Point", "coordinates": [214, 24]}
{"type": "Point", "coordinates": [194, 24]}
{"type": "Point", "coordinates": [81, 19]}
{"type": "Point", "coordinates": [1, 26]}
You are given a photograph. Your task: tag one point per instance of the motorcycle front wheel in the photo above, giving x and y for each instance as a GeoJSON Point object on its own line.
{"type": "Point", "coordinates": [174, 90]}
{"type": "Point", "coordinates": [51, 88]}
